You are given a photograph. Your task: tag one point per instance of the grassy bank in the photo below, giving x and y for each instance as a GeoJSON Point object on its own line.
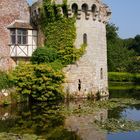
{"type": "Point", "coordinates": [123, 77]}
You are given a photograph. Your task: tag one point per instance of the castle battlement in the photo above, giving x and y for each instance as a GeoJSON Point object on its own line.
{"type": "Point", "coordinates": [83, 10]}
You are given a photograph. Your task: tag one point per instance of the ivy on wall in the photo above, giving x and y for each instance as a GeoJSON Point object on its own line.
{"type": "Point", "coordinates": [60, 33]}
{"type": "Point", "coordinates": [41, 81]}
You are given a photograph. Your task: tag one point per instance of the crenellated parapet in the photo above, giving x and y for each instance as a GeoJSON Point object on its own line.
{"type": "Point", "coordinates": [88, 9]}
{"type": "Point", "coordinates": [83, 10]}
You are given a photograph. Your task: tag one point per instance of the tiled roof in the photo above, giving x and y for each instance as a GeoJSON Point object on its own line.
{"type": "Point", "coordinates": [20, 24]}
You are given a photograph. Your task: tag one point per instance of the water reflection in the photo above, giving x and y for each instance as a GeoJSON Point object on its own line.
{"type": "Point", "coordinates": [83, 124]}
{"type": "Point", "coordinates": [124, 136]}
{"type": "Point", "coordinates": [41, 119]}
{"type": "Point", "coordinates": [49, 121]}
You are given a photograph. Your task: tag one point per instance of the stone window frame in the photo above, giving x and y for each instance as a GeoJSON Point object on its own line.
{"type": "Point", "coordinates": [18, 36]}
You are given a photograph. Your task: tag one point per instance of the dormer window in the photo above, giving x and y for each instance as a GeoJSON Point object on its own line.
{"type": "Point", "coordinates": [19, 36]}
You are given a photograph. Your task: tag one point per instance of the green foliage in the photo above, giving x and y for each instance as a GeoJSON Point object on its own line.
{"type": "Point", "coordinates": [121, 125]}
{"type": "Point", "coordinates": [111, 32]}
{"type": "Point", "coordinates": [60, 34]}
{"type": "Point", "coordinates": [40, 82]}
{"type": "Point", "coordinates": [44, 55]}
{"type": "Point", "coordinates": [4, 81]}
{"type": "Point", "coordinates": [40, 121]}
{"type": "Point", "coordinates": [133, 44]}
{"type": "Point", "coordinates": [43, 79]}
{"type": "Point", "coordinates": [134, 67]}
{"type": "Point", "coordinates": [120, 58]}
{"type": "Point", "coordinates": [123, 77]}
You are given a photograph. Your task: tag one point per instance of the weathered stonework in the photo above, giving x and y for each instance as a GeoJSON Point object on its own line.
{"type": "Point", "coordinates": [88, 76]}
{"type": "Point", "coordinates": [91, 69]}
{"type": "Point", "coordinates": [10, 10]}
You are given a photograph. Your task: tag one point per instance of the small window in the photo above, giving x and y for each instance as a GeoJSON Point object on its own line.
{"type": "Point", "coordinates": [79, 85]}
{"type": "Point", "coordinates": [85, 38]}
{"type": "Point", "coordinates": [101, 73]}
{"type": "Point", "coordinates": [19, 36]}
{"type": "Point", "coordinates": [94, 8]}
{"type": "Point", "coordinates": [74, 8]}
{"type": "Point", "coordinates": [85, 7]}
{"type": "Point", "coordinates": [22, 37]}
{"type": "Point", "coordinates": [13, 36]}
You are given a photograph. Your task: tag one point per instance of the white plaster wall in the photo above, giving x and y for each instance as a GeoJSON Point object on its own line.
{"type": "Point", "coordinates": [25, 50]}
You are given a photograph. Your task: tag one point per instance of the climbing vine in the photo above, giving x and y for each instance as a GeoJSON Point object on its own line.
{"type": "Point", "coordinates": [59, 32]}
{"type": "Point", "coordinates": [43, 82]}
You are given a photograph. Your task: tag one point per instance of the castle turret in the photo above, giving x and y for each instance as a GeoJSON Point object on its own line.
{"type": "Point", "coordinates": [89, 74]}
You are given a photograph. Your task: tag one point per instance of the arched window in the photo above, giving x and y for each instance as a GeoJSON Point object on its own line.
{"type": "Point", "coordinates": [101, 73]}
{"type": "Point", "coordinates": [74, 8]}
{"type": "Point", "coordinates": [93, 8]}
{"type": "Point", "coordinates": [85, 7]}
{"type": "Point", "coordinates": [84, 38]}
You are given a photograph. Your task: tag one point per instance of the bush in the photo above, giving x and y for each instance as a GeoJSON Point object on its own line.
{"type": "Point", "coordinates": [40, 82]}
{"type": "Point", "coordinates": [123, 77]}
{"type": "Point", "coordinates": [4, 81]}
{"type": "Point", "coordinates": [44, 55]}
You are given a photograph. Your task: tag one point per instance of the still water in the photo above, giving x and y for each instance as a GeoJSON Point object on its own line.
{"type": "Point", "coordinates": [68, 120]}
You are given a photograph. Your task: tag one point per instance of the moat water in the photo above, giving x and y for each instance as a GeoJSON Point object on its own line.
{"type": "Point", "coordinates": [56, 121]}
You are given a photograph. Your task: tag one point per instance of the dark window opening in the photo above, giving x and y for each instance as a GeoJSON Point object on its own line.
{"type": "Point", "coordinates": [13, 36]}
{"type": "Point", "coordinates": [79, 85]}
{"type": "Point", "coordinates": [39, 11]}
{"type": "Point", "coordinates": [85, 38]}
{"type": "Point", "coordinates": [65, 10]}
{"type": "Point", "coordinates": [94, 8]}
{"type": "Point", "coordinates": [101, 73]}
{"type": "Point", "coordinates": [18, 36]}
{"type": "Point", "coordinates": [85, 7]}
{"type": "Point", "coordinates": [75, 8]}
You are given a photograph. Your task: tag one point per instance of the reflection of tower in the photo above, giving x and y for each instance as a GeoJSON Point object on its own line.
{"type": "Point", "coordinates": [83, 125]}
{"type": "Point", "coordinates": [91, 68]}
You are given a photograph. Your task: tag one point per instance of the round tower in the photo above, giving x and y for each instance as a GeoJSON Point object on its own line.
{"type": "Point", "coordinates": [89, 74]}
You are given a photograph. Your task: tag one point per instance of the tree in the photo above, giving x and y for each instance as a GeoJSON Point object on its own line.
{"type": "Point", "coordinates": [119, 56]}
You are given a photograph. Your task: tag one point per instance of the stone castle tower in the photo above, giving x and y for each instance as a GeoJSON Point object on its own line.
{"type": "Point", "coordinates": [89, 74]}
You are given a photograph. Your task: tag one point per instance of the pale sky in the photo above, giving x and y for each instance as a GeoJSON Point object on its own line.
{"type": "Point", "coordinates": [125, 15]}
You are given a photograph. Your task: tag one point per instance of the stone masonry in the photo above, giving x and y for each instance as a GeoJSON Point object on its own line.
{"type": "Point", "coordinates": [89, 74]}
{"type": "Point", "coordinates": [10, 10]}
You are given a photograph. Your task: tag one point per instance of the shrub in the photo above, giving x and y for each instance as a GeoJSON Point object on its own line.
{"type": "Point", "coordinates": [40, 82]}
{"type": "Point", "coordinates": [4, 80]}
{"type": "Point", "coordinates": [44, 55]}
{"type": "Point", "coordinates": [123, 77]}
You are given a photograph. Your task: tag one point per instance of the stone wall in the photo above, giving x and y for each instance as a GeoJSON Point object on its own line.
{"type": "Point", "coordinates": [90, 72]}
{"type": "Point", "coordinates": [91, 69]}
{"type": "Point", "coordinates": [10, 10]}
